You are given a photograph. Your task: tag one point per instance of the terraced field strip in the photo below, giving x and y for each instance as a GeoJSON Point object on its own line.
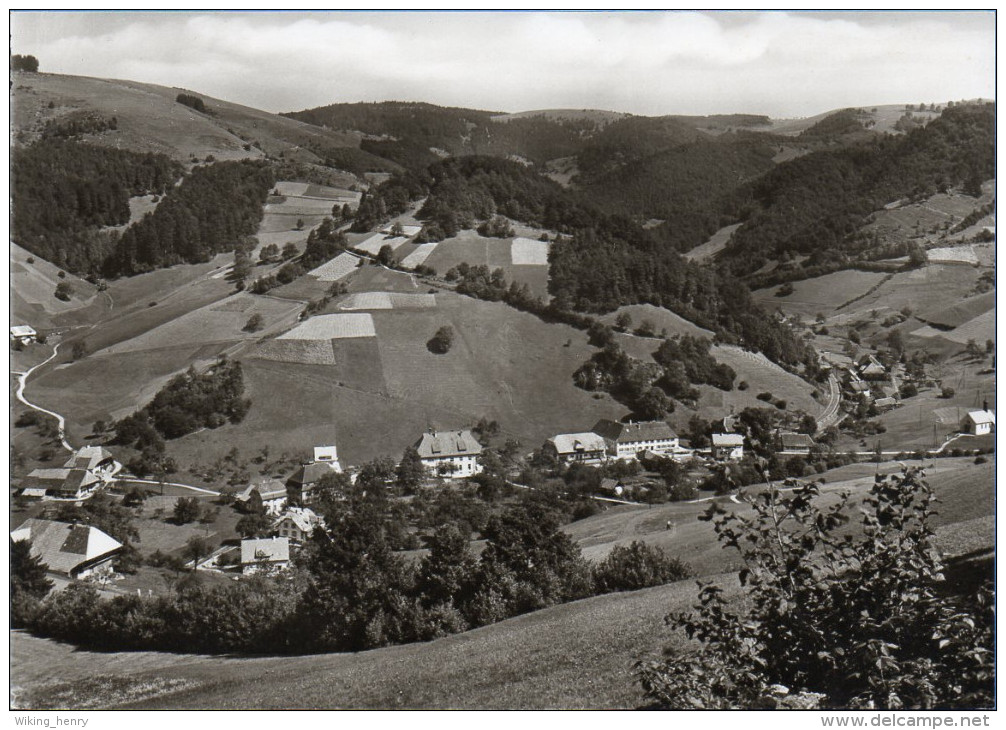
{"type": "Point", "coordinates": [526, 252]}
{"type": "Point", "coordinates": [333, 326]}
{"type": "Point", "coordinates": [375, 243]}
{"type": "Point", "coordinates": [338, 268]}
{"type": "Point", "coordinates": [419, 255]}
{"type": "Point", "coordinates": [388, 300]}
{"type": "Point", "coordinates": [285, 187]}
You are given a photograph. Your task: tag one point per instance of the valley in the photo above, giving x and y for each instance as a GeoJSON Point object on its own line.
{"type": "Point", "coordinates": [395, 405]}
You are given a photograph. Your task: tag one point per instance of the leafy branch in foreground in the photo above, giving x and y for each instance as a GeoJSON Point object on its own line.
{"type": "Point", "coordinates": [838, 617]}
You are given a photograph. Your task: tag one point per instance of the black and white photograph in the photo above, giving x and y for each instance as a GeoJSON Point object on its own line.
{"type": "Point", "coordinates": [502, 360]}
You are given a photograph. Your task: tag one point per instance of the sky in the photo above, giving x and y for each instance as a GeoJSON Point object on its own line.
{"type": "Point", "coordinates": [783, 64]}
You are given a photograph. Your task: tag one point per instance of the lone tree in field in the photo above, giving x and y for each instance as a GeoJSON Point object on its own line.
{"type": "Point", "coordinates": [835, 619]}
{"type": "Point", "coordinates": [186, 510]}
{"type": "Point", "coordinates": [254, 323]}
{"type": "Point", "coordinates": [63, 291]}
{"type": "Point", "coordinates": [441, 342]}
{"type": "Point", "coordinates": [79, 350]}
{"type": "Point", "coordinates": [386, 256]}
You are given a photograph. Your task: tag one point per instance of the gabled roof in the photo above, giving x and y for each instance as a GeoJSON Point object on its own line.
{"type": "Point", "coordinates": [22, 330]}
{"type": "Point", "coordinates": [303, 518]}
{"type": "Point", "coordinates": [445, 444]}
{"type": "Point", "coordinates": [67, 480]}
{"type": "Point", "coordinates": [311, 473]}
{"type": "Point", "coordinates": [271, 549]}
{"type": "Point", "coordinates": [326, 453]}
{"type": "Point", "coordinates": [728, 439]}
{"type": "Point", "coordinates": [982, 417]}
{"type": "Point", "coordinates": [885, 402]}
{"type": "Point", "coordinates": [267, 488]}
{"type": "Point", "coordinates": [89, 457]}
{"type": "Point", "coordinates": [64, 547]}
{"type": "Point", "coordinates": [796, 441]}
{"type": "Point", "coordinates": [633, 432]}
{"type": "Point", "coordinates": [571, 443]}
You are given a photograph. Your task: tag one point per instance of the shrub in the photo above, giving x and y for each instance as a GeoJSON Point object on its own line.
{"type": "Point", "coordinates": [635, 566]}
{"type": "Point", "coordinates": [947, 392]}
{"type": "Point", "coordinates": [837, 620]}
{"type": "Point", "coordinates": [441, 342]}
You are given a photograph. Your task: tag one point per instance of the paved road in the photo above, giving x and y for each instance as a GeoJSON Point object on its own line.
{"type": "Point", "coordinates": [830, 414]}
{"type": "Point", "coordinates": [22, 379]}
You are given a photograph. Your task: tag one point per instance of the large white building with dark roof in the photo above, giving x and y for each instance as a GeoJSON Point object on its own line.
{"type": "Point", "coordinates": [453, 454]}
{"type": "Point", "coordinates": [625, 440]}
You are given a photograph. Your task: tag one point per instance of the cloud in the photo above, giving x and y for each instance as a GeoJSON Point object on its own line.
{"type": "Point", "coordinates": [781, 64]}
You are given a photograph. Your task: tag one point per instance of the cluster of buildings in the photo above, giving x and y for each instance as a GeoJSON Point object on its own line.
{"type": "Point", "coordinates": [84, 473]}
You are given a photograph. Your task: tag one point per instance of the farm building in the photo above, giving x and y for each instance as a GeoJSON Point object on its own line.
{"type": "Point", "coordinates": [22, 334]}
{"type": "Point", "coordinates": [266, 554]}
{"type": "Point", "coordinates": [327, 455]}
{"type": "Point", "coordinates": [870, 368]}
{"type": "Point", "coordinates": [297, 524]}
{"type": "Point", "coordinates": [302, 483]}
{"type": "Point", "coordinates": [625, 440]}
{"type": "Point", "coordinates": [857, 387]}
{"type": "Point", "coordinates": [978, 423]}
{"type": "Point", "coordinates": [65, 483]}
{"type": "Point", "coordinates": [796, 443]}
{"type": "Point", "coordinates": [452, 454]}
{"type": "Point", "coordinates": [886, 404]}
{"type": "Point", "coordinates": [728, 446]}
{"type": "Point", "coordinates": [74, 551]}
{"type": "Point", "coordinates": [578, 448]}
{"type": "Point", "coordinates": [272, 491]}
{"type": "Point", "coordinates": [96, 459]}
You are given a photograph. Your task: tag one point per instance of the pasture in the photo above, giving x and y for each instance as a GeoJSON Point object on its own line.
{"type": "Point", "coordinates": [219, 322]}
{"type": "Point", "coordinates": [525, 252]}
{"type": "Point", "coordinates": [33, 287]}
{"type": "Point", "coordinates": [496, 253]}
{"type": "Point", "coordinates": [659, 317]}
{"type": "Point", "coordinates": [960, 312]}
{"type": "Point", "coordinates": [382, 392]}
{"type": "Point", "coordinates": [716, 243]}
{"type": "Point", "coordinates": [822, 294]}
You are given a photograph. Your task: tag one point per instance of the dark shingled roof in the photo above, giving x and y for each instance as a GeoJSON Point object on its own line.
{"type": "Point", "coordinates": [626, 433]}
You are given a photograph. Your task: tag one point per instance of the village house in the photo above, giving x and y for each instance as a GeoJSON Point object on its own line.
{"type": "Point", "coordinates": [302, 484]}
{"type": "Point", "coordinates": [886, 404]}
{"type": "Point", "coordinates": [578, 448]}
{"type": "Point", "coordinates": [267, 554]}
{"type": "Point", "coordinates": [796, 443]}
{"type": "Point", "coordinates": [979, 423]}
{"type": "Point", "coordinates": [95, 459]}
{"type": "Point", "coordinates": [727, 446]}
{"type": "Point", "coordinates": [626, 440]}
{"type": "Point", "coordinates": [870, 368]}
{"type": "Point", "coordinates": [453, 454]}
{"type": "Point", "coordinates": [272, 491]}
{"type": "Point", "coordinates": [60, 484]}
{"type": "Point", "coordinates": [70, 551]}
{"type": "Point", "coordinates": [22, 334]}
{"type": "Point", "coordinates": [297, 524]}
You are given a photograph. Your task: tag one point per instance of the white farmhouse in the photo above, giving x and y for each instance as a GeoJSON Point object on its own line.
{"type": "Point", "coordinates": [453, 454]}
{"type": "Point", "coordinates": [978, 423]}
{"type": "Point", "coordinates": [728, 446]}
{"type": "Point", "coordinates": [625, 440]}
{"type": "Point", "coordinates": [23, 334]}
{"type": "Point", "coordinates": [577, 448]}
{"type": "Point", "coordinates": [267, 554]}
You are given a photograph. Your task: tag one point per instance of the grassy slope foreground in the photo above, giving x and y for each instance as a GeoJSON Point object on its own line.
{"type": "Point", "coordinates": [577, 655]}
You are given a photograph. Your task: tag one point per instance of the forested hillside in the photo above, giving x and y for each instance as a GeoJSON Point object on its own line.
{"type": "Point", "coordinates": [209, 213]}
{"type": "Point", "coordinates": [63, 191]}
{"type": "Point", "coordinates": [815, 204]}
{"type": "Point", "coordinates": [603, 261]}
{"type": "Point", "coordinates": [408, 133]}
